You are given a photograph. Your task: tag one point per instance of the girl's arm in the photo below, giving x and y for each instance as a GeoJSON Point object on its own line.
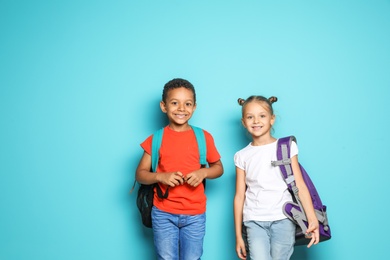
{"type": "Point", "coordinates": [238, 208]}
{"type": "Point", "coordinates": [304, 196]}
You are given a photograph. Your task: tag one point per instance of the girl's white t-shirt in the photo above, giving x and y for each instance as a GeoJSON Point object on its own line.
{"type": "Point", "coordinates": [266, 190]}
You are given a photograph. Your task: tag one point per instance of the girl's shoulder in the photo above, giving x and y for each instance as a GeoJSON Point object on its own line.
{"type": "Point", "coordinates": [244, 149]}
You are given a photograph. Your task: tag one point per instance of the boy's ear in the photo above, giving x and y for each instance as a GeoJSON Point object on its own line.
{"type": "Point", "coordinates": [162, 106]}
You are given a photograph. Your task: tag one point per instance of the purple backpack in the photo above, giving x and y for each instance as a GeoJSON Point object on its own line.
{"type": "Point", "coordinates": [294, 210]}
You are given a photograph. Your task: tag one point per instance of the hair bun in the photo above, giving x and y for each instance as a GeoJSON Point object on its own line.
{"type": "Point", "coordinates": [240, 101]}
{"type": "Point", "coordinates": [273, 99]}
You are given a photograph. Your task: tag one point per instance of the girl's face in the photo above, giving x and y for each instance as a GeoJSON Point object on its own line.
{"type": "Point", "coordinates": [179, 106]}
{"type": "Point", "coordinates": [257, 119]}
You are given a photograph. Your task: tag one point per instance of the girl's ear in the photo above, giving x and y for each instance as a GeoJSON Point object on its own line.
{"type": "Point", "coordinates": [272, 120]}
{"type": "Point", "coordinates": [163, 107]}
{"type": "Point", "coordinates": [243, 123]}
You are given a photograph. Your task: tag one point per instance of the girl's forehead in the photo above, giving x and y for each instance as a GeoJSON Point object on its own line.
{"type": "Point", "coordinates": [256, 106]}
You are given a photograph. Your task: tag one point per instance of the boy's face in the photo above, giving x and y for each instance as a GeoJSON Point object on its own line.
{"type": "Point", "coordinates": [179, 106]}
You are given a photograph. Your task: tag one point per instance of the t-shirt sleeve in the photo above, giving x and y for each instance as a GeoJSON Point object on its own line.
{"type": "Point", "coordinates": [238, 161]}
{"type": "Point", "coordinates": [147, 145]}
{"type": "Point", "coordinates": [212, 152]}
{"type": "Point", "coordinates": [293, 149]}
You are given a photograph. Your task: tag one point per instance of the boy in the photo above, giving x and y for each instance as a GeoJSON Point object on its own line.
{"type": "Point", "coordinates": [179, 220]}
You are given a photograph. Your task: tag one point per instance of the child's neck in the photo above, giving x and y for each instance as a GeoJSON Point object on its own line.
{"type": "Point", "coordinates": [263, 140]}
{"type": "Point", "coordinates": [179, 128]}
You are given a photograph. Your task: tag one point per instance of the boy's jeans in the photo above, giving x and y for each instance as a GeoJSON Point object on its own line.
{"type": "Point", "coordinates": [178, 236]}
{"type": "Point", "coordinates": [270, 240]}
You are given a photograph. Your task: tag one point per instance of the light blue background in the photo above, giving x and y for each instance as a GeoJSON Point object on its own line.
{"type": "Point", "coordinates": [80, 87]}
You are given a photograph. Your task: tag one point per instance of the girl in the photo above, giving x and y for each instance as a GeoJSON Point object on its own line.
{"type": "Point", "coordinates": [261, 190]}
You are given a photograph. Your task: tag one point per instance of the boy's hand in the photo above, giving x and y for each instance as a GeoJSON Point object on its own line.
{"type": "Point", "coordinates": [171, 179]}
{"type": "Point", "coordinates": [194, 178]}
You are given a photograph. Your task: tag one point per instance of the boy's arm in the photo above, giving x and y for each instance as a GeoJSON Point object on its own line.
{"type": "Point", "coordinates": [145, 176]}
{"type": "Point", "coordinates": [307, 204]}
{"type": "Point", "coordinates": [214, 170]}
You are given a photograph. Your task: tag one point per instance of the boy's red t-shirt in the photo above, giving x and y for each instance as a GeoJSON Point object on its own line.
{"type": "Point", "coordinates": [179, 152]}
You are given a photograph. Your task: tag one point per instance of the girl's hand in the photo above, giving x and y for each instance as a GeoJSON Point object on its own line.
{"type": "Point", "coordinates": [313, 232]}
{"type": "Point", "coordinates": [240, 249]}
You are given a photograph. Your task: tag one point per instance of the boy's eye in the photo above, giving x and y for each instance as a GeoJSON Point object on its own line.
{"type": "Point", "coordinates": [189, 104]}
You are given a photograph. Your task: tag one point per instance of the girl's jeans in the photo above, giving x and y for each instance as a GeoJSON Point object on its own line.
{"type": "Point", "coordinates": [178, 236]}
{"type": "Point", "coordinates": [270, 240]}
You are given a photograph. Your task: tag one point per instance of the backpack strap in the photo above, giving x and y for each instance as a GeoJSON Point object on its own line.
{"type": "Point", "coordinates": [201, 140]}
{"type": "Point", "coordinates": [284, 162]}
{"type": "Point", "coordinates": [156, 144]}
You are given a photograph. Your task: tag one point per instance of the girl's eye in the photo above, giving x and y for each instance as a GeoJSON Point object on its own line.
{"type": "Point", "coordinates": [249, 117]}
{"type": "Point", "coordinates": [174, 103]}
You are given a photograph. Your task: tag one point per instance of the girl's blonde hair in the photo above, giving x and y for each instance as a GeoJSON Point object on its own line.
{"type": "Point", "coordinates": [260, 99]}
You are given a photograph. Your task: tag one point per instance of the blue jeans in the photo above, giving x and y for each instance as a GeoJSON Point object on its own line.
{"type": "Point", "coordinates": [270, 240]}
{"type": "Point", "coordinates": [178, 236]}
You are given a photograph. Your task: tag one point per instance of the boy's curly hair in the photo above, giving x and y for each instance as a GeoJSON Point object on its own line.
{"type": "Point", "coordinates": [177, 83]}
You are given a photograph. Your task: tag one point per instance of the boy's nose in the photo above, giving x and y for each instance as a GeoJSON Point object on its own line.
{"type": "Point", "coordinates": [181, 107]}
